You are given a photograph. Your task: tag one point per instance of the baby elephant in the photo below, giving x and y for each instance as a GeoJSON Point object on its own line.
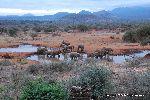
{"type": "Point", "coordinates": [54, 53]}
{"type": "Point", "coordinates": [65, 43]}
{"type": "Point", "coordinates": [80, 48]}
{"type": "Point", "coordinates": [41, 50]}
{"type": "Point", "coordinates": [92, 55]}
{"type": "Point", "coordinates": [74, 55]}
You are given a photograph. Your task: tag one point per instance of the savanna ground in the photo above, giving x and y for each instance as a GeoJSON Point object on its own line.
{"type": "Point", "coordinates": [130, 78]}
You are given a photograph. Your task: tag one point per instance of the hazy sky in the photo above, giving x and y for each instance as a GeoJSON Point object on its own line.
{"type": "Point", "coordinates": [42, 7]}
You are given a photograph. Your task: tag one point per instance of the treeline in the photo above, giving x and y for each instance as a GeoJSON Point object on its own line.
{"type": "Point", "coordinates": [13, 27]}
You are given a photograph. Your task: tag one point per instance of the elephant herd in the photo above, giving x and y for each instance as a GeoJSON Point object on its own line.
{"type": "Point", "coordinates": [66, 47]}
{"type": "Point", "coordinates": [101, 53]}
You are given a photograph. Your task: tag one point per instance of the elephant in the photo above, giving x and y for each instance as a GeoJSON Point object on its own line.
{"type": "Point", "coordinates": [99, 54]}
{"type": "Point", "coordinates": [103, 52]}
{"type": "Point", "coordinates": [65, 43]}
{"type": "Point", "coordinates": [92, 55]}
{"type": "Point", "coordinates": [107, 50]}
{"type": "Point", "coordinates": [62, 45]}
{"type": "Point", "coordinates": [71, 47]}
{"type": "Point", "coordinates": [41, 51]}
{"type": "Point", "coordinates": [74, 55]}
{"type": "Point", "coordinates": [54, 53]}
{"type": "Point", "coordinates": [80, 48]}
{"type": "Point", "coordinates": [67, 48]}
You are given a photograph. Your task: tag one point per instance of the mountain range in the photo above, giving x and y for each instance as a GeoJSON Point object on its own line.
{"type": "Point", "coordinates": [122, 13]}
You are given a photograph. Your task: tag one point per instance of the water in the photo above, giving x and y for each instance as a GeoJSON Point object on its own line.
{"type": "Point", "coordinates": [23, 48]}
{"type": "Point", "coordinates": [20, 48]}
{"type": "Point", "coordinates": [116, 59]}
{"type": "Point", "coordinates": [45, 59]}
{"type": "Point", "coordinates": [121, 59]}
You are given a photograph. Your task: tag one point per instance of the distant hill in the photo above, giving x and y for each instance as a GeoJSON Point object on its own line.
{"type": "Point", "coordinates": [79, 18]}
{"type": "Point", "coordinates": [86, 17]}
{"type": "Point", "coordinates": [60, 14]}
{"type": "Point", "coordinates": [28, 15]}
{"type": "Point", "coordinates": [116, 15]}
{"type": "Point", "coordinates": [132, 12]}
{"type": "Point", "coordinates": [83, 12]}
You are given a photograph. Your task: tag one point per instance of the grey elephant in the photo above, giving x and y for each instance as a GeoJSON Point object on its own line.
{"type": "Point", "coordinates": [108, 51]}
{"type": "Point", "coordinates": [70, 47]}
{"type": "Point", "coordinates": [80, 48]}
{"type": "Point", "coordinates": [92, 55]}
{"type": "Point", "coordinates": [103, 52]}
{"type": "Point", "coordinates": [74, 55]}
{"type": "Point", "coordinates": [41, 51]}
{"type": "Point", "coordinates": [99, 54]}
{"type": "Point", "coordinates": [54, 53]}
{"type": "Point", "coordinates": [65, 43]}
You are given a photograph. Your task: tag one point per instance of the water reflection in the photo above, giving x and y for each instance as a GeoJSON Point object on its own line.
{"type": "Point", "coordinates": [45, 59]}
{"type": "Point", "coordinates": [20, 48]}
{"type": "Point", "coordinates": [121, 59]}
{"type": "Point", "coordinates": [116, 59]}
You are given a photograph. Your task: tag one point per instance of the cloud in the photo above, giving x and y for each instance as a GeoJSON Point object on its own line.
{"type": "Point", "coordinates": [52, 6]}
{"type": "Point", "coordinates": [8, 11]}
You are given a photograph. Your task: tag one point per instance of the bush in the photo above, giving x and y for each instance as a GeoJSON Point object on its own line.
{"type": "Point", "coordinates": [51, 28]}
{"type": "Point", "coordinates": [36, 90]}
{"type": "Point", "coordinates": [145, 42]}
{"type": "Point", "coordinates": [12, 32]}
{"type": "Point", "coordinates": [130, 36]}
{"type": "Point", "coordinates": [138, 35]}
{"type": "Point", "coordinates": [49, 68]}
{"type": "Point", "coordinates": [82, 28]}
{"type": "Point", "coordinates": [132, 82]}
{"type": "Point", "coordinates": [5, 63]}
{"type": "Point", "coordinates": [95, 78]}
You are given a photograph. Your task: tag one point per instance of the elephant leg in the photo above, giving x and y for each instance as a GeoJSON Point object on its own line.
{"type": "Point", "coordinates": [101, 56]}
{"type": "Point", "coordinates": [71, 58]}
{"type": "Point", "coordinates": [58, 56]}
{"type": "Point", "coordinates": [96, 57]}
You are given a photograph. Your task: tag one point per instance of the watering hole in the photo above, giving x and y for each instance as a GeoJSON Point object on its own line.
{"type": "Point", "coordinates": [45, 59]}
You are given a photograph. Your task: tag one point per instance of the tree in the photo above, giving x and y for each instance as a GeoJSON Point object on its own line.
{"type": "Point", "coordinates": [82, 28]}
{"type": "Point", "coordinates": [12, 32]}
{"type": "Point", "coordinates": [37, 90]}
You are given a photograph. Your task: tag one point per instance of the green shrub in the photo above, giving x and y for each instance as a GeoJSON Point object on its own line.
{"type": "Point", "coordinates": [133, 82]}
{"type": "Point", "coordinates": [12, 32]}
{"type": "Point", "coordinates": [49, 68]}
{"type": "Point", "coordinates": [82, 28]}
{"type": "Point", "coordinates": [37, 90]}
{"type": "Point", "coordinates": [138, 35]}
{"type": "Point", "coordinates": [95, 78]}
{"type": "Point", "coordinates": [5, 63]}
{"type": "Point", "coordinates": [145, 42]}
{"type": "Point", "coordinates": [130, 36]}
